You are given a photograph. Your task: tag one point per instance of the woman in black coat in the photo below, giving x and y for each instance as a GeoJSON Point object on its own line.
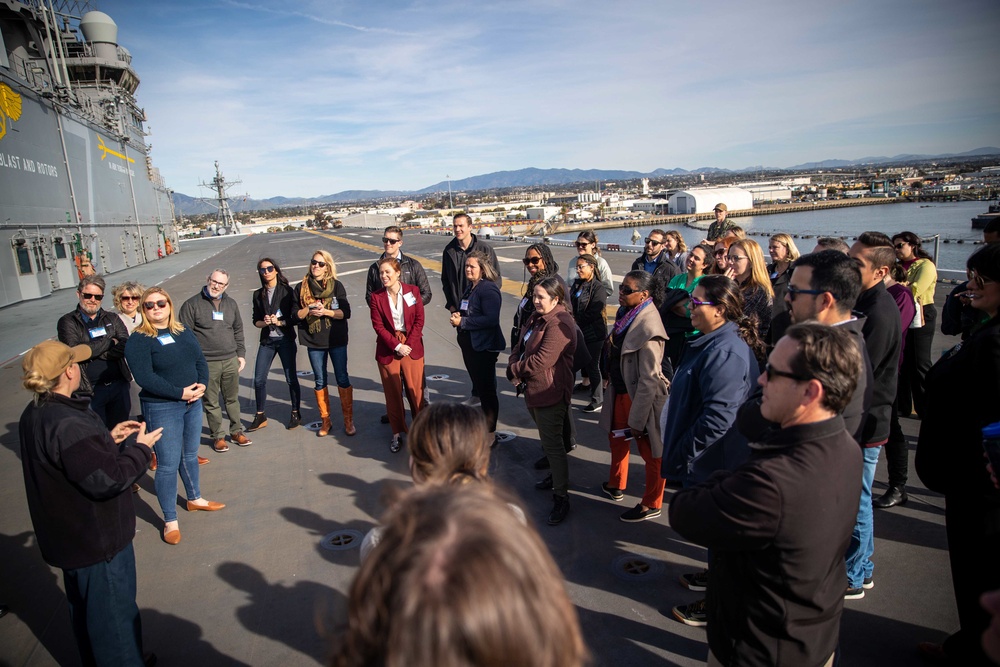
{"type": "Point", "coordinates": [273, 310]}
{"type": "Point", "coordinates": [589, 298]}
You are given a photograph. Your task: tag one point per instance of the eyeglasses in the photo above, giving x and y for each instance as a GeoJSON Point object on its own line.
{"type": "Point", "coordinates": [696, 303]}
{"type": "Point", "coordinates": [318, 263]}
{"type": "Point", "coordinates": [131, 298]}
{"type": "Point", "coordinates": [387, 241]}
{"type": "Point", "coordinates": [980, 280]}
{"type": "Point", "coordinates": [217, 283]}
{"type": "Point", "coordinates": [772, 372]}
{"type": "Point", "coordinates": [150, 305]}
{"type": "Point", "coordinates": [900, 245]}
{"type": "Point", "coordinates": [88, 297]}
{"type": "Point", "coordinates": [582, 244]}
{"type": "Point", "coordinates": [794, 291]}
{"type": "Point", "coordinates": [531, 260]}
{"type": "Point", "coordinates": [652, 242]}
{"type": "Point", "coordinates": [583, 265]}
{"type": "Point", "coordinates": [737, 258]}
{"type": "Point", "coordinates": [266, 269]}
{"type": "Point", "coordinates": [628, 290]}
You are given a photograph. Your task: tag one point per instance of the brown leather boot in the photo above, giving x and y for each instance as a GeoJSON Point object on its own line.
{"type": "Point", "coordinates": [347, 405]}
{"type": "Point", "coordinates": [323, 402]}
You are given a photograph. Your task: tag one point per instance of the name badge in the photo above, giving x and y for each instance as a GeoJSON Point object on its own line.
{"type": "Point", "coordinates": [217, 315]}
{"type": "Point", "coordinates": [578, 293]}
{"type": "Point", "coordinates": [523, 302]}
{"type": "Point", "coordinates": [527, 336]}
{"type": "Point", "coordinates": [409, 299]}
{"type": "Point", "coordinates": [98, 332]}
{"type": "Point", "coordinates": [464, 305]}
{"type": "Point", "coordinates": [334, 305]}
{"type": "Point", "coordinates": [277, 313]}
{"type": "Point", "coordinates": [165, 339]}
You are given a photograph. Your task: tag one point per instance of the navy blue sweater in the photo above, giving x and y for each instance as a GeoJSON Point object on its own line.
{"type": "Point", "coordinates": [164, 370]}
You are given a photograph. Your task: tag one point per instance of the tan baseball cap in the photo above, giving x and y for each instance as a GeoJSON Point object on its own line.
{"type": "Point", "coordinates": [50, 358]}
{"type": "Point", "coordinates": [720, 207]}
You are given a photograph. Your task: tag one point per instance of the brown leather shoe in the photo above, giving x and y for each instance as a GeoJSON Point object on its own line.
{"type": "Point", "coordinates": [220, 446]}
{"type": "Point", "coordinates": [152, 462]}
{"type": "Point", "coordinates": [203, 461]}
{"type": "Point", "coordinates": [241, 439]}
{"type": "Point", "coordinates": [212, 506]}
{"type": "Point", "coordinates": [173, 537]}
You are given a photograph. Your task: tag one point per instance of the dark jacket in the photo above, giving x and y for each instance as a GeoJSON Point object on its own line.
{"type": "Point", "coordinates": [589, 299]}
{"type": "Point", "coordinates": [219, 339]}
{"type": "Point", "coordinates": [962, 391]}
{"type": "Point", "coordinates": [332, 333]}
{"type": "Point", "coordinates": [163, 371]}
{"type": "Point", "coordinates": [107, 350]}
{"type": "Point", "coordinates": [282, 304]}
{"type": "Point", "coordinates": [453, 280]}
{"type": "Point", "coordinates": [545, 360]}
{"type": "Point", "coordinates": [883, 336]}
{"type": "Point", "coordinates": [411, 272]}
{"type": "Point", "coordinates": [777, 529]}
{"type": "Point", "coordinates": [482, 317]}
{"type": "Point", "coordinates": [716, 375]}
{"type": "Point", "coordinates": [779, 282]}
{"type": "Point", "coordinates": [78, 482]}
{"type": "Point", "coordinates": [665, 266]}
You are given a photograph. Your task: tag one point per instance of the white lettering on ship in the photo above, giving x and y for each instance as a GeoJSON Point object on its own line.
{"type": "Point", "coordinates": [27, 164]}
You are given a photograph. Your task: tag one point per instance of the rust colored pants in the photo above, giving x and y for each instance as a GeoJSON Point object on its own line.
{"type": "Point", "coordinates": [392, 376]}
{"type": "Point", "coordinates": [653, 497]}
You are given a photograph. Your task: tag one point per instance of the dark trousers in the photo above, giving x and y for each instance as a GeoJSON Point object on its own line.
{"type": "Point", "coordinates": [112, 402]}
{"type": "Point", "coordinates": [593, 370]}
{"type": "Point", "coordinates": [551, 423]}
{"type": "Point", "coordinates": [916, 363]}
{"type": "Point", "coordinates": [482, 368]}
{"type": "Point", "coordinates": [284, 349]}
{"type": "Point", "coordinates": [102, 607]}
{"type": "Point", "coordinates": [897, 459]}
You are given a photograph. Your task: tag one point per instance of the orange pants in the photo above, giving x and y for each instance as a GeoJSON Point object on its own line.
{"type": "Point", "coordinates": [653, 497]}
{"type": "Point", "coordinates": [392, 376]}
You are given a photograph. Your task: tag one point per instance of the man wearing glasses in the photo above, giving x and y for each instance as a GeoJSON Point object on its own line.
{"type": "Point", "coordinates": [411, 271]}
{"type": "Point", "coordinates": [105, 375]}
{"type": "Point", "coordinates": [777, 527]}
{"type": "Point", "coordinates": [654, 259]}
{"type": "Point", "coordinates": [214, 319]}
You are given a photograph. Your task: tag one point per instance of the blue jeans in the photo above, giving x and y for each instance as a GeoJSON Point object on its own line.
{"type": "Point", "coordinates": [102, 607]}
{"type": "Point", "coordinates": [859, 552]}
{"type": "Point", "coordinates": [284, 348]}
{"type": "Point", "coordinates": [338, 355]}
{"type": "Point", "coordinates": [177, 450]}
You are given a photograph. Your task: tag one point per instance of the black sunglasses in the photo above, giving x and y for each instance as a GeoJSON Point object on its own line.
{"type": "Point", "coordinates": [131, 298]}
{"type": "Point", "coordinates": [150, 305]}
{"type": "Point", "coordinates": [266, 269]}
{"type": "Point", "coordinates": [531, 260]}
{"type": "Point", "coordinates": [652, 242]}
{"type": "Point", "coordinates": [772, 372]}
{"type": "Point", "coordinates": [318, 263]}
{"type": "Point", "coordinates": [581, 244]}
{"type": "Point", "coordinates": [628, 290]}
{"type": "Point", "coordinates": [386, 239]}
{"type": "Point", "coordinates": [899, 245]}
{"type": "Point", "coordinates": [94, 297]}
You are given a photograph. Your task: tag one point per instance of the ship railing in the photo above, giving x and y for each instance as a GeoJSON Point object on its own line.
{"type": "Point", "coordinates": [33, 72]}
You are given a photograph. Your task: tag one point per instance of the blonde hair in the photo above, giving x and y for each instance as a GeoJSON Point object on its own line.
{"type": "Point", "coordinates": [131, 287]}
{"type": "Point", "coordinates": [37, 383]}
{"type": "Point", "coordinates": [147, 328]}
{"type": "Point", "coordinates": [330, 270]}
{"type": "Point", "coordinates": [786, 240]}
{"type": "Point", "coordinates": [758, 268]}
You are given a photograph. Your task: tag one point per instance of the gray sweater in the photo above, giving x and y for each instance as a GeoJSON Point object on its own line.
{"type": "Point", "coordinates": [219, 339]}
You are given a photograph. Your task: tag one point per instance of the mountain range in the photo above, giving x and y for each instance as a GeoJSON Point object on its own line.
{"type": "Point", "coordinates": [534, 177]}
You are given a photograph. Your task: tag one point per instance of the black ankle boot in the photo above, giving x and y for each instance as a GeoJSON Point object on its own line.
{"type": "Point", "coordinates": [560, 509]}
{"type": "Point", "coordinates": [894, 495]}
{"type": "Point", "coordinates": [259, 421]}
{"type": "Point", "coordinates": [294, 420]}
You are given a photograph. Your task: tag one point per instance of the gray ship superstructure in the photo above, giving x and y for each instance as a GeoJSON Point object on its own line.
{"type": "Point", "coordinates": [78, 190]}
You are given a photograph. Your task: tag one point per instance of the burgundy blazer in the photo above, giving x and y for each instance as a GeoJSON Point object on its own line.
{"type": "Point", "coordinates": [385, 330]}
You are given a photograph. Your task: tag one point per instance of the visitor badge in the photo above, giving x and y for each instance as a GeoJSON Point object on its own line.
{"type": "Point", "coordinates": [464, 305]}
{"type": "Point", "coordinates": [523, 302]}
{"type": "Point", "coordinates": [578, 293]}
{"type": "Point", "coordinates": [277, 313]}
{"type": "Point", "coordinates": [409, 299]}
{"type": "Point", "coordinates": [98, 332]}
{"type": "Point", "coordinates": [165, 339]}
{"type": "Point", "coordinates": [217, 315]}
{"type": "Point", "coordinates": [527, 336]}
{"type": "Point", "coordinates": [334, 304]}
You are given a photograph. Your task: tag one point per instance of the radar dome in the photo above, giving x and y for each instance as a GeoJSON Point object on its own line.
{"type": "Point", "coordinates": [98, 27]}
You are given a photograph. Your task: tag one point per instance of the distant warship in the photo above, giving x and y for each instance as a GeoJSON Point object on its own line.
{"type": "Point", "coordinates": [78, 190]}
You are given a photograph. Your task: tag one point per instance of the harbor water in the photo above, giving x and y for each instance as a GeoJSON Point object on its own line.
{"type": "Point", "coordinates": [951, 220]}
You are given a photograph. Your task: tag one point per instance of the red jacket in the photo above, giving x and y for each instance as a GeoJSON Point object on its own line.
{"type": "Point", "coordinates": [385, 330]}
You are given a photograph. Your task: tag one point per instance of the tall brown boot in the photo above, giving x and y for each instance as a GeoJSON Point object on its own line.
{"type": "Point", "coordinates": [347, 405]}
{"type": "Point", "coordinates": [323, 402]}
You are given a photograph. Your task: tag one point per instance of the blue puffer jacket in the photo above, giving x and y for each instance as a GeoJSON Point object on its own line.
{"type": "Point", "coordinates": [715, 377]}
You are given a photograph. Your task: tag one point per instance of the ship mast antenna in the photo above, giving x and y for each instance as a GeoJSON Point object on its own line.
{"type": "Point", "coordinates": [224, 219]}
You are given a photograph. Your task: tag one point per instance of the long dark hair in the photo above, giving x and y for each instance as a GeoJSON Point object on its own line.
{"type": "Point", "coordinates": [551, 267]}
{"type": "Point", "coordinates": [725, 293]}
{"type": "Point", "coordinates": [277, 269]}
{"type": "Point", "coordinates": [915, 242]}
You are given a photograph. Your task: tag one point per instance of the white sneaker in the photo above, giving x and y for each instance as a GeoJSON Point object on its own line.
{"type": "Point", "coordinates": [472, 402]}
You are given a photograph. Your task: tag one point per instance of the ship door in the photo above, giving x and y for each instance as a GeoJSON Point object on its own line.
{"type": "Point", "coordinates": [63, 270]}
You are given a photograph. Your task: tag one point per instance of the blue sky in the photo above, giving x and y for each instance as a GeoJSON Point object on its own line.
{"type": "Point", "coordinates": [319, 96]}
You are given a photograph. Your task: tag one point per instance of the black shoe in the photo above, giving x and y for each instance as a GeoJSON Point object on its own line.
{"type": "Point", "coordinates": [294, 420]}
{"type": "Point", "coordinates": [593, 406]}
{"type": "Point", "coordinates": [851, 593]}
{"type": "Point", "coordinates": [542, 463]}
{"type": "Point", "coordinates": [637, 514]}
{"type": "Point", "coordinates": [615, 494]}
{"type": "Point", "coordinates": [384, 419]}
{"type": "Point", "coordinates": [893, 496]}
{"type": "Point", "coordinates": [560, 509]}
{"type": "Point", "coordinates": [545, 484]}
{"type": "Point", "coordinates": [259, 421]}
{"type": "Point", "coordinates": [582, 388]}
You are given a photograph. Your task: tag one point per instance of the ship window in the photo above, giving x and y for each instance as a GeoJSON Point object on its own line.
{"type": "Point", "coordinates": [60, 251]}
{"type": "Point", "coordinates": [23, 260]}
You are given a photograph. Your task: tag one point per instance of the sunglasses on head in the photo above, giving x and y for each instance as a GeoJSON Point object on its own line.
{"type": "Point", "coordinates": [531, 260]}
{"type": "Point", "coordinates": [150, 305]}
{"type": "Point", "coordinates": [387, 240]}
{"type": "Point", "coordinates": [266, 269]}
{"type": "Point", "coordinates": [318, 263]}
{"type": "Point", "coordinates": [89, 297]}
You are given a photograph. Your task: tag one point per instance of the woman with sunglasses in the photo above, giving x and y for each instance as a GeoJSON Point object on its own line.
{"type": "Point", "coordinates": [961, 398]}
{"type": "Point", "coordinates": [586, 244]}
{"type": "Point", "coordinates": [588, 299]}
{"type": "Point", "coordinates": [322, 313]}
{"type": "Point", "coordinates": [719, 251]}
{"type": "Point", "coordinates": [539, 265]}
{"type": "Point", "coordinates": [718, 371]}
{"type": "Point", "coordinates": [783, 252]}
{"type": "Point", "coordinates": [273, 310]}
{"type": "Point", "coordinates": [166, 361]}
{"type": "Point", "coordinates": [636, 392]}
{"type": "Point", "coordinates": [126, 298]}
{"type": "Point", "coordinates": [746, 266]}
{"type": "Point", "coordinates": [921, 277]}
{"type": "Point", "coordinates": [675, 305]}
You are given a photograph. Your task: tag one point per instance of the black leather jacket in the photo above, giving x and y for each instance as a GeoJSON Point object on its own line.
{"type": "Point", "coordinates": [109, 348]}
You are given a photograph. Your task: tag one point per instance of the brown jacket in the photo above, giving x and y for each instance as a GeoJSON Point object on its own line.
{"type": "Point", "coordinates": [545, 360]}
{"type": "Point", "coordinates": [642, 354]}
